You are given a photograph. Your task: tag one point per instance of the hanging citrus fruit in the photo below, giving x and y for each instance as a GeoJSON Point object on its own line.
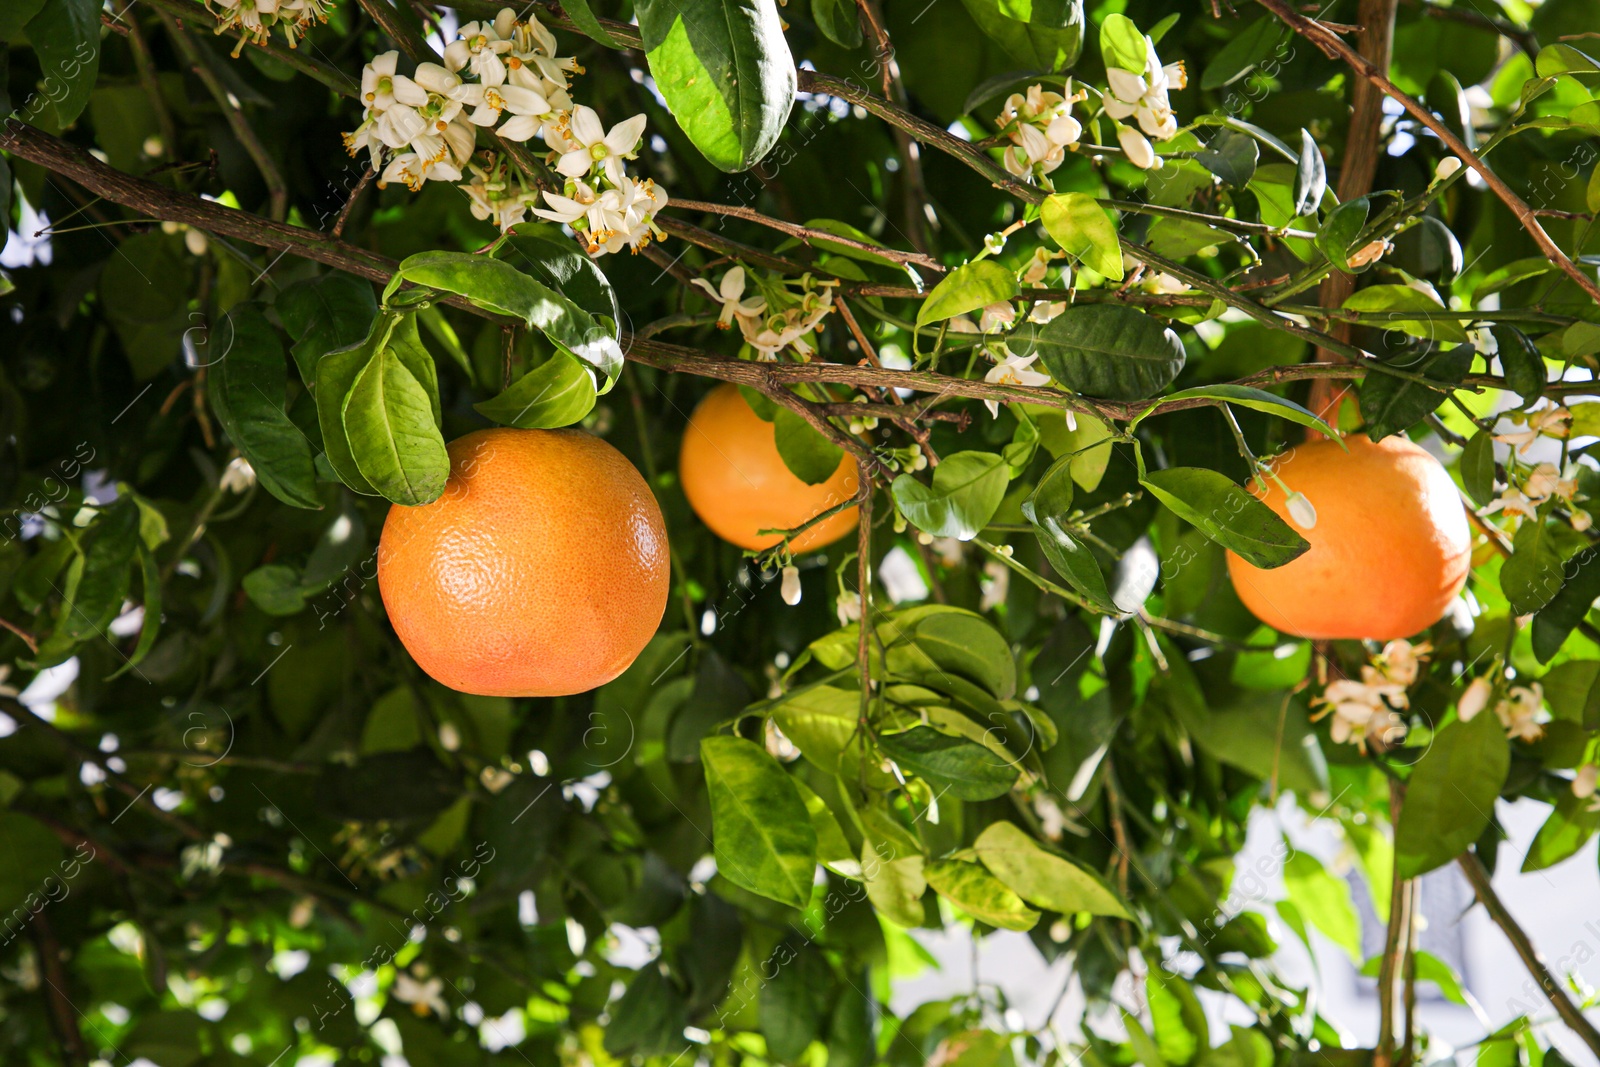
{"type": "Point", "coordinates": [1390, 547]}
{"type": "Point", "coordinates": [541, 571]}
{"type": "Point", "coordinates": [739, 485]}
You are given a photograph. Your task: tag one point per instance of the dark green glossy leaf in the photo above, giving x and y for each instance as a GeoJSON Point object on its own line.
{"type": "Point", "coordinates": [1245, 51]}
{"type": "Point", "coordinates": [964, 769]}
{"type": "Point", "coordinates": [1393, 404]}
{"type": "Point", "coordinates": [1311, 175]}
{"type": "Point", "coordinates": [1041, 35]}
{"type": "Point", "coordinates": [331, 311]}
{"type": "Point", "coordinates": [725, 71]}
{"type": "Point", "coordinates": [247, 392]}
{"type": "Point", "coordinates": [1520, 358]}
{"type": "Point", "coordinates": [1226, 513]}
{"type": "Point", "coordinates": [1477, 468]}
{"type": "Point", "coordinates": [1047, 509]}
{"type": "Point", "coordinates": [1102, 350]}
{"type": "Point", "coordinates": [1580, 586]}
{"type": "Point", "coordinates": [1231, 156]}
{"type": "Point", "coordinates": [1533, 575]}
{"type": "Point", "coordinates": [839, 21]}
{"type": "Point", "coordinates": [66, 35]}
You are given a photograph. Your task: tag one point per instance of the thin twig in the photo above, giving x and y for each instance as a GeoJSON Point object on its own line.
{"type": "Point", "coordinates": [355, 194]}
{"type": "Point", "coordinates": [200, 61]}
{"type": "Point", "coordinates": [1335, 48]}
{"type": "Point", "coordinates": [808, 234]}
{"type": "Point", "coordinates": [1478, 876]}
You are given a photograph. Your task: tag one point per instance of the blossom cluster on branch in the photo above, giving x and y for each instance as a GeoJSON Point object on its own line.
{"type": "Point", "coordinates": [504, 75]}
{"type": "Point", "coordinates": [783, 312]}
{"type": "Point", "coordinates": [256, 19]}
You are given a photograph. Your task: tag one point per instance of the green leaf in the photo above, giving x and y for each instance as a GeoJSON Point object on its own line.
{"type": "Point", "coordinates": [1247, 49]}
{"type": "Point", "coordinates": [760, 829]}
{"type": "Point", "coordinates": [1246, 397]}
{"type": "Point", "coordinates": [1043, 878]}
{"type": "Point", "coordinates": [497, 286]}
{"type": "Point", "coordinates": [1557, 619]}
{"type": "Point", "coordinates": [895, 882]}
{"type": "Point", "coordinates": [966, 492]}
{"type": "Point", "coordinates": [1038, 42]}
{"type": "Point", "coordinates": [337, 372]}
{"type": "Point", "coordinates": [1311, 175]}
{"type": "Point", "coordinates": [968, 288]}
{"type": "Point", "coordinates": [66, 36]}
{"type": "Point", "coordinates": [1106, 351]}
{"type": "Point", "coordinates": [393, 439]}
{"type": "Point", "coordinates": [1084, 229]}
{"type": "Point", "coordinates": [1393, 404]}
{"type": "Point", "coordinates": [794, 1000]}
{"type": "Point", "coordinates": [331, 311]}
{"type": "Point", "coordinates": [32, 854]}
{"type": "Point", "coordinates": [1520, 359]}
{"type": "Point", "coordinates": [1571, 823]}
{"type": "Point", "coordinates": [1121, 44]}
{"type": "Point", "coordinates": [277, 590]}
{"type": "Point", "coordinates": [15, 15]}
{"type": "Point", "coordinates": [1226, 513]}
{"type": "Point", "coordinates": [150, 629]}
{"type": "Point", "coordinates": [839, 21]}
{"type": "Point", "coordinates": [980, 894]}
{"type": "Point", "coordinates": [247, 393]}
{"type": "Point", "coordinates": [1325, 900]}
{"type": "Point", "coordinates": [561, 266]}
{"type": "Point", "coordinates": [1451, 794]}
{"type": "Point", "coordinates": [1533, 575]}
{"type": "Point", "coordinates": [1341, 230]}
{"type": "Point", "coordinates": [1505, 276]}
{"type": "Point", "coordinates": [1477, 468]}
{"type": "Point", "coordinates": [145, 289]}
{"type": "Point", "coordinates": [927, 644]}
{"type": "Point", "coordinates": [809, 456]}
{"type": "Point", "coordinates": [953, 765]}
{"type": "Point", "coordinates": [1397, 299]}
{"type": "Point", "coordinates": [1563, 59]}
{"type": "Point", "coordinates": [558, 392]}
{"type": "Point", "coordinates": [1231, 156]}
{"type": "Point", "coordinates": [649, 1019]}
{"type": "Point", "coordinates": [588, 23]}
{"type": "Point", "coordinates": [725, 71]}
{"type": "Point", "coordinates": [1046, 509]}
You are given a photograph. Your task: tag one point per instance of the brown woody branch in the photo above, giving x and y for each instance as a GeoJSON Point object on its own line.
{"type": "Point", "coordinates": [808, 234]}
{"type": "Point", "coordinates": [1478, 875]}
{"type": "Point", "coordinates": [1335, 48]}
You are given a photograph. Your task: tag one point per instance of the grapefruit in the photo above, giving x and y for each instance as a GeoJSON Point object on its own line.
{"type": "Point", "coordinates": [542, 570]}
{"type": "Point", "coordinates": [1390, 548]}
{"type": "Point", "coordinates": [738, 483]}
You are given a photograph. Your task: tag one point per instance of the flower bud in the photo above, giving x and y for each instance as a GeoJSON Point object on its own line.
{"type": "Point", "coordinates": [1475, 699]}
{"type": "Point", "coordinates": [791, 585]}
{"type": "Point", "coordinates": [1301, 511]}
{"type": "Point", "coordinates": [1583, 782]}
{"type": "Point", "coordinates": [1447, 166]}
{"type": "Point", "coordinates": [1139, 152]}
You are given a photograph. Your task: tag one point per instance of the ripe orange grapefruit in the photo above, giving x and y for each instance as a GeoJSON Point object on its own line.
{"type": "Point", "coordinates": [1389, 551]}
{"type": "Point", "coordinates": [738, 483]}
{"type": "Point", "coordinates": [541, 571]}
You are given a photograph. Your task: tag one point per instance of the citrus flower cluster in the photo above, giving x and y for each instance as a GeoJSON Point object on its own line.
{"type": "Point", "coordinates": [1041, 129]}
{"type": "Point", "coordinates": [1518, 711]}
{"type": "Point", "coordinates": [504, 75]}
{"type": "Point", "coordinates": [774, 318]}
{"type": "Point", "coordinates": [256, 19]}
{"type": "Point", "coordinates": [1369, 709]}
{"type": "Point", "coordinates": [1142, 96]}
{"type": "Point", "coordinates": [1542, 483]}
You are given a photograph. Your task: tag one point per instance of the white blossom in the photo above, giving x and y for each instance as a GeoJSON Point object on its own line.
{"type": "Point", "coordinates": [1137, 149]}
{"type": "Point", "coordinates": [1143, 96]}
{"type": "Point", "coordinates": [591, 144]}
{"type": "Point", "coordinates": [730, 294]}
{"type": "Point", "coordinates": [1013, 370]}
{"type": "Point", "coordinates": [791, 585]}
{"type": "Point", "coordinates": [1474, 699]}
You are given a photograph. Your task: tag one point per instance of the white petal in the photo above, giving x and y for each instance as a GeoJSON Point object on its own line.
{"type": "Point", "coordinates": [521, 128]}
{"type": "Point", "coordinates": [624, 136]}
{"type": "Point", "coordinates": [733, 284]}
{"type": "Point", "coordinates": [1125, 85]}
{"type": "Point", "coordinates": [436, 79]}
{"type": "Point", "coordinates": [574, 164]}
{"type": "Point", "coordinates": [520, 101]}
{"type": "Point", "coordinates": [409, 92]}
{"type": "Point", "coordinates": [586, 126]}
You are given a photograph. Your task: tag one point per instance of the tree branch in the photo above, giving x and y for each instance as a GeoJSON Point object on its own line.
{"type": "Point", "coordinates": [1335, 48]}
{"type": "Point", "coordinates": [1476, 874]}
{"type": "Point", "coordinates": [807, 234]}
